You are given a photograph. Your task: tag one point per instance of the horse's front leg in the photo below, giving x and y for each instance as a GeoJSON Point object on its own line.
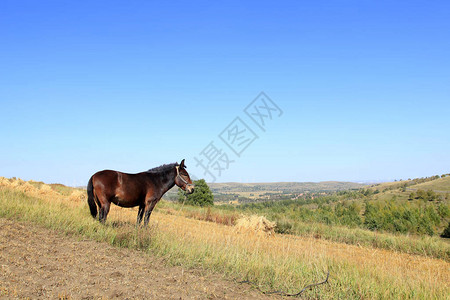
{"type": "Point", "coordinates": [140, 214]}
{"type": "Point", "coordinates": [149, 206]}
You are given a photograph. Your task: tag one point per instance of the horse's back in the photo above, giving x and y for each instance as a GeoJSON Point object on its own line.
{"type": "Point", "coordinates": [120, 188]}
{"type": "Point", "coordinates": [105, 177]}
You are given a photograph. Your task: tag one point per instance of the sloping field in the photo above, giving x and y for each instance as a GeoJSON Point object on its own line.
{"type": "Point", "coordinates": [441, 184]}
{"type": "Point", "coordinates": [280, 262]}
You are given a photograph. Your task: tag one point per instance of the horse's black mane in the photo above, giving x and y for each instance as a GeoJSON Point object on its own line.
{"type": "Point", "coordinates": [163, 168]}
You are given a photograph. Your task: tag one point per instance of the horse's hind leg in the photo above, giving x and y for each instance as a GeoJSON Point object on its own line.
{"type": "Point", "coordinates": [104, 205]}
{"type": "Point", "coordinates": [104, 212]}
{"type": "Point", "coordinates": [140, 215]}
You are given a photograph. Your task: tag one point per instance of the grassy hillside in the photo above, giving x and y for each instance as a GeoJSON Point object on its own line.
{"type": "Point", "coordinates": [401, 190]}
{"type": "Point", "coordinates": [433, 182]}
{"type": "Point", "coordinates": [438, 185]}
{"type": "Point", "coordinates": [280, 262]}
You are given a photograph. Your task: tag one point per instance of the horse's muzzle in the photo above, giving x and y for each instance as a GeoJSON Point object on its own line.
{"type": "Point", "coordinates": [189, 188]}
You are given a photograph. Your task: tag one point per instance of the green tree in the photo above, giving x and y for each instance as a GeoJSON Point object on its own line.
{"type": "Point", "coordinates": [431, 195]}
{"type": "Point", "coordinates": [373, 216]}
{"type": "Point", "coordinates": [202, 195]}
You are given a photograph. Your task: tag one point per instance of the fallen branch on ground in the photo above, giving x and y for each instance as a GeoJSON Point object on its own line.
{"type": "Point", "coordinates": [283, 293]}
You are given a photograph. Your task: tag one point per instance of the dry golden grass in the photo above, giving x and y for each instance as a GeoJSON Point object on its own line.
{"type": "Point", "coordinates": [41, 190]}
{"type": "Point", "coordinates": [77, 196]}
{"type": "Point", "coordinates": [255, 224]}
{"type": "Point", "coordinates": [441, 184]}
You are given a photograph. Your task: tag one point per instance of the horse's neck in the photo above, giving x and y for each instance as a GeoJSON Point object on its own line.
{"type": "Point", "coordinates": [168, 182]}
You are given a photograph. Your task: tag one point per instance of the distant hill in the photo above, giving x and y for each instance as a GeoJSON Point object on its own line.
{"type": "Point", "coordinates": [438, 185]}
{"type": "Point", "coordinates": [222, 191]}
{"type": "Point", "coordinates": [236, 192]}
{"type": "Point", "coordinates": [401, 190]}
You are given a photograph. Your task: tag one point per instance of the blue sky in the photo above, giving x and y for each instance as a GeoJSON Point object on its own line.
{"type": "Point", "coordinates": [364, 87]}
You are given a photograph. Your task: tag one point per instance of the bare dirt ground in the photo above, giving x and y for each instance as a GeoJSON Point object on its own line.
{"type": "Point", "coordinates": [37, 263]}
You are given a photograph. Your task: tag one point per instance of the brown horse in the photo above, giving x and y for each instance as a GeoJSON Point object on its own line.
{"type": "Point", "coordinates": [129, 190]}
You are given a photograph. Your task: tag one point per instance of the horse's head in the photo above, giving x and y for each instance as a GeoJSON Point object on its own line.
{"type": "Point", "coordinates": [183, 180]}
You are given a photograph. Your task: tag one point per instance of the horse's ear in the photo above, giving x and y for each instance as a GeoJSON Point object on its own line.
{"type": "Point", "coordinates": [182, 164]}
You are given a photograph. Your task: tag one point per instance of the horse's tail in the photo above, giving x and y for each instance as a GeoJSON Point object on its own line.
{"type": "Point", "coordinates": [91, 200]}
